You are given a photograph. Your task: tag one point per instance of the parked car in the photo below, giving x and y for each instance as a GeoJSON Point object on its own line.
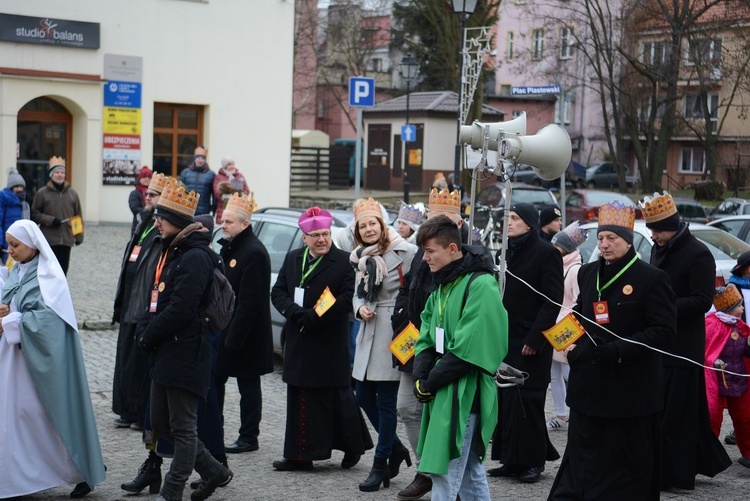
{"type": "Point", "coordinates": [691, 211]}
{"type": "Point", "coordinates": [575, 176]}
{"type": "Point", "coordinates": [277, 229]}
{"type": "Point", "coordinates": [730, 207]}
{"type": "Point", "coordinates": [583, 205]}
{"type": "Point", "coordinates": [739, 226]}
{"type": "Point", "coordinates": [724, 247]}
{"type": "Point", "coordinates": [604, 175]}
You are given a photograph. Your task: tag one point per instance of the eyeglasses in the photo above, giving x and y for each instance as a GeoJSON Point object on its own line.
{"type": "Point", "coordinates": [322, 234]}
{"type": "Point", "coordinates": [151, 195]}
{"type": "Point", "coordinates": [158, 219]}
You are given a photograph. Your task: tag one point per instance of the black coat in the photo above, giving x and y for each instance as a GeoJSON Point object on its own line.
{"type": "Point", "coordinates": [539, 264]}
{"type": "Point", "coordinates": [316, 350]}
{"type": "Point", "coordinates": [177, 333]}
{"type": "Point", "coordinates": [246, 347]}
{"type": "Point", "coordinates": [619, 379]}
{"type": "Point", "coordinates": [692, 272]}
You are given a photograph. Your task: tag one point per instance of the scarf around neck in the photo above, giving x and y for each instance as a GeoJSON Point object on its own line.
{"type": "Point", "coordinates": [370, 267]}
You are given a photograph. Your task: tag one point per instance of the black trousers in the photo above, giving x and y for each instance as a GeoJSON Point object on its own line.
{"type": "Point", "coordinates": [62, 253]}
{"type": "Point", "coordinates": [251, 405]}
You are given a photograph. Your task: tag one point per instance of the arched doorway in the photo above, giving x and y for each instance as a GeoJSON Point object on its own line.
{"type": "Point", "coordinates": [44, 130]}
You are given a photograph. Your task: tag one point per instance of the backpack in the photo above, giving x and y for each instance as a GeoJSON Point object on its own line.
{"type": "Point", "coordinates": [220, 304]}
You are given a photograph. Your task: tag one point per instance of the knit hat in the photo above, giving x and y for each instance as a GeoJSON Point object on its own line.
{"type": "Point", "coordinates": [56, 163]}
{"type": "Point", "coordinates": [145, 172]}
{"type": "Point", "coordinates": [176, 204]}
{"type": "Point", "coordinates": [660, 212]}
{"type": "Point", "coordinates": [570, 237]}
{"type": "Point", "coordinates": [528, 213]}
{"type": "Point", "coordinates": [742, 262]}
{"type": "Point", "coordinates": [617, 218]}
{"type": "Point", "coordinates": [727, 298]}
{"type": "Point", "coordinates": [411, 216]}
{"type": "Point", "coordinates": [546, 216]}
{"type": "Point", "coordinates": [227, 160]}
{"type": "Point", "coordinates": [15, 179]}
{"type": "Point", "coordinates": [315, 218]}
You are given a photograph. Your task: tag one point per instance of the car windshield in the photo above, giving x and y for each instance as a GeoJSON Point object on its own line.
{"type": "Point", "coordinates": [597, 198]}
{"type": "Point", "coordinates": [721, 244]}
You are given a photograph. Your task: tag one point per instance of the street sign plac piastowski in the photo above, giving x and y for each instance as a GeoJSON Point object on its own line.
{"type": "Point", "coordinates": [361, 92]}
{"type": "Point", "coordinates": [535, 90]}
{"type": "Point", "coordinates": [408, 133]}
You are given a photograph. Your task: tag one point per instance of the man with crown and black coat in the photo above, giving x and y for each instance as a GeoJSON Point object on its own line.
{"type": "Point", "coordinates": [246, 348]}
{"type": "Point", "coordinates": [176, 333]}
{"type": "Point", "coordinates": [613, 389]}
{"type": "Point", "coordinates": [322, 412]}
{"type": "Point", "coordinates": [688, 446]}
{"type": "Point", "coordinates": [521, 440]}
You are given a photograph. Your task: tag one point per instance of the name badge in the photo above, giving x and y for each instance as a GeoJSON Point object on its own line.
{"type": "Point", "coordinates": [299, 296]}
{"type": "Point", "coordinates": [134, 253]}
{"type": "Point", "coordinates": [601, 312]}
{"type": "Point", "coordinates": [440, 340]}
{"type": "Point", "coordinates": [154, 301]}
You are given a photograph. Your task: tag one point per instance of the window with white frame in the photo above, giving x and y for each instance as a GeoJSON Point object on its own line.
{"type": "Point", "coordinates": [375, 64]}
{"type": "Point", "coordinates": [537, 47]}
{"type": "Point", "coordinates": [510, 45]}
{"type": "Point", "coordinates": [703, 51]}
{"type": "Point", "coordinates": [695, 104]}
{"type": "Point", "coordinates": [567, 111]}
{"type": "Point", "coordinates": [692, 161]}
{"type": "Point", "coordinates": [655, 54]}
{"type": "Point", "coordinates": [516, 113]}
{"type": "Point", "coordinates": [566, 42]}
{"type": "Point", "coordinates": [505, 89]}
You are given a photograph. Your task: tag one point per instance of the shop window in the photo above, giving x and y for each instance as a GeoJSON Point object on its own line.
{"type": "Point", "coordinates": [178, 130]}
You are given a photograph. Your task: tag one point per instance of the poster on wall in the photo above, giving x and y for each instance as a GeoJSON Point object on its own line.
{"type": "Point", "coordinates": [121, 124]}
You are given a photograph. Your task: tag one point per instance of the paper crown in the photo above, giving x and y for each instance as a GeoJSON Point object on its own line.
{"type": "Point", "coordinates": [200, 151]}
{"type": "Point", "coordinates": [658, 208]}
{"type": "Point", "coordinates": [577, 234]}
{"type": "Point", "coordinates": [411, 216]}
{"type": "Point", "coordinates": [365, 208]}
{"type": "Point", "coordinates": [617, 214]}
{"type": "Point", "coordinates": [444, 202]}
{"type": "Point", "coordinates": [727, 298]}
{"type": "Point", "coordinates": [56, 162]}
{"type": "Point", "coordinates": [177, 199]}
{"type": "Point", "coordinates": [242, 204]}
{"type": "Point", "coordinates": [158, 182]}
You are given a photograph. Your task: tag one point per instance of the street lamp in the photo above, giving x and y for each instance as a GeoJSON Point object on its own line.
{"type": "Point", "coordinates": [409, 69]}
{"type": "Point", "coordinates": [465, 8]}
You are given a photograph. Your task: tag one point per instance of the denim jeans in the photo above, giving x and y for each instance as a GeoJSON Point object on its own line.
{"type": "Point", "coordinates": [466, 476]}
{"type": "Point", "coordinates": [174, 416]}
{"type": "Point", "coordinates": [378, 400]}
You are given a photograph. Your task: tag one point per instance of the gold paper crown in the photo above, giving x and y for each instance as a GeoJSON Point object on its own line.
{"type": "Point", "coordinates": [200, 150]}
{"type": "Point", "coordinates": [56, 162]}
{"type": "Point", "coordinates": [242, 204]}
{"type": "Point", "coordinates": [177, 199]}
{"type": "Point", "coordinates": [365, 208]}
{"type": "Point", "coordinates": [727, 298]}
{"type": "Point", "coordinates": [444, 202]}
{"type": "Point", "coordinates": [658, 208]}
{"type": "Point", "coordinates": [616, 214]}
{"type": "Point", "coordinates": [158, 182]}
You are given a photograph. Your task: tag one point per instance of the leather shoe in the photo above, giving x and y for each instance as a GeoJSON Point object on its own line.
{"type": "Point", "coordinates": [208, 487]}
{"type": "Point", "coordinates": [241, 446]}
{"type": "Point", "coordinates": [121, 422]}
{"type": "Point", "coordinates": [350, 460]}
{"type": "Point", "coordinates": [292, 465]}
{"type": "Point", "coordinates": [505, 471]}
{"type": "Point", "coordinates": [744, 462]}
{"type": "Point", "coordinates": [421, 485]}
{"type": "Point", "coordinates": [80, 490]}
{"type": "Point", "coordinates": [531, 475]}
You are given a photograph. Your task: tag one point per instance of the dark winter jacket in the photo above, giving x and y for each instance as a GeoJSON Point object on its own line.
{"type": "Point", "coordinates": [136, 204]}
{"type": "Point", "coordinates": [540, 265]}
{"type": "Point", "coordinates": [177, 333]}
{"type": "Point", "coordinates": [51, 207]}
{"type": "Point", "coordinates": [200, 180]}
{"type": "Point", "coordinates": [246, 347]}
{"type": "Point", "coordinates": [11, 210]}
{"type": "Point", "coordinates": [316, 351]}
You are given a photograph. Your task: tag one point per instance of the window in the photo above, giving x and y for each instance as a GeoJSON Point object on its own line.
{"type": "Point", "coordinates": [537, 48]}
{"type": "Point", "coordinates": [567, 111]}
{"type": "Point", "coordinates": [694, 107]}
{"type": "Point", "coordinates": [703, 51]}
{"type": "Point", "coordinates": [566, 42]}
{"type": "Point", "coordinates": [178, 130]}
{"type": "Point", "coordinates": [511, 37]}
{"type": "Point", "coordinates": [656, 55]}
{"type": "Point", "coordinates": [516, 113]}
{"type": "Point", "coordinates": [505, 90]}
{"type": "Point", "coordinates": [645, 110]}
{"type": "Point", "coordinates": [520, 2]}
{"type": "Point", "coordinates": [692, 161]}
{"type": "Point", "coordinates": [375, 64]}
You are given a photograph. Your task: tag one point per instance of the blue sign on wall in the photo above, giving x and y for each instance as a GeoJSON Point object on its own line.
{"type": "Point", "coordinates": [362, 92]}
{"type": "Point", "coordinates": [122, 94]}
{"type": "Point", "coordinates": [535, 90]}
{"type": "Point", "coordinates": [408, 133]}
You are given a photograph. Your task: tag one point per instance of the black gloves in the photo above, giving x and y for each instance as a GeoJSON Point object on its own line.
{"type": "Point", "coordinates": [421, 392]}
{"type": "Point", "coordinates": [603, 354]}
{"type": "Point", "coordinates": [56, 221]}
{"type": "Point", "coordinates": [304, 317]}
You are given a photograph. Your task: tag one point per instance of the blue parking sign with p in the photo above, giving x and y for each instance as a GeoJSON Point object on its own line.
{"type": "Point", "coordinates": [361, 92]}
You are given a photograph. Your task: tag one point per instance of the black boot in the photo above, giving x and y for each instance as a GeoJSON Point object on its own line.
{"type": "Point", "coordinates": [379, 473]}
{"type": "Point", "coordinates": [148, 476]}
{"type": "Point", "coordinates": [399, 453]}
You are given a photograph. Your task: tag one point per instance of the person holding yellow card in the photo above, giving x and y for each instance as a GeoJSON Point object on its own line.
{"type": "Point", "coordinates": [314, 292]}
{"type": "Point", "coordinates": [57, 211]}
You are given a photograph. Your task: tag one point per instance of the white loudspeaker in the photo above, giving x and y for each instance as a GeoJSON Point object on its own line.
{"type": "Point", "coordinates": [548, 151]}
{"type": "Point", "coordinates": [474, 134]}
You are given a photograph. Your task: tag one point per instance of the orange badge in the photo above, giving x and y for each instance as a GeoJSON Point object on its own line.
{"type": "Point", "coordinates": [627, 290]}
{"type": "Point", "coordinates": [735, 335]}
{"type": "Point", "coordinates": [600, 308]}
{"type": "Point", "coordinates": [232, 263]}
{"type": "Point", "coordinates": [161, 287]}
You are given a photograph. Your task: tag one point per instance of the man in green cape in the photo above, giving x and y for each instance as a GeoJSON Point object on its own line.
{"type": "Point", "coordinates": [463, 340]}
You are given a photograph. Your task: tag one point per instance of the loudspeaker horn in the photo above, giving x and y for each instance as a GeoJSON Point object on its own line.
{"type": "Point", "coordinates": [548, 151]}
{"type": "Point", "coordinates": [474, 134]}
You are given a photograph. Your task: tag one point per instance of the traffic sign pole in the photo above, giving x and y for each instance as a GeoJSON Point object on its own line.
{"type": "Point", "coordinates": [361, 95]}
{"type": "Point", "coordinates": [358, 153]}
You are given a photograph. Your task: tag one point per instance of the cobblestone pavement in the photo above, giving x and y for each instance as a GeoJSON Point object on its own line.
{"type": "Point", "coordinates": [93, 276]}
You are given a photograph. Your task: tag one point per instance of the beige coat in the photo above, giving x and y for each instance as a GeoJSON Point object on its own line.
{"type": "Point", "coordinates": [372, 357]}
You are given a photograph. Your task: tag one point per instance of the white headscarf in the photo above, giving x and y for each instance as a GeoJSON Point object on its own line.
{"type": "Point", "coordinates": [52, 281]}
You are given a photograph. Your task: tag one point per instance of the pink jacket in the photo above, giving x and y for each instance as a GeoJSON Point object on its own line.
{"type": "Point", "coordinates": [717, 333]}
{"type": "Point", "coordinates": [571, 265]}
{"type": "Point", "coordinates": [237, 183]}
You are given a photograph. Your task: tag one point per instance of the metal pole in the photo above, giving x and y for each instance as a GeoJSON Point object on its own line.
{"type": "Point", "coordinates": [562, 178]}
{"type": "Point", "coordinates": [406, 157]}
{"type": "Point", "coordinates": [358, 155]}
{"type": "Point", "coordinates": [457, 160]}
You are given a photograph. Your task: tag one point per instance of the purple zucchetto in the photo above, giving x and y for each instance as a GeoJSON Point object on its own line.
{"type": "Point", "coordinates": [315, 218]}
